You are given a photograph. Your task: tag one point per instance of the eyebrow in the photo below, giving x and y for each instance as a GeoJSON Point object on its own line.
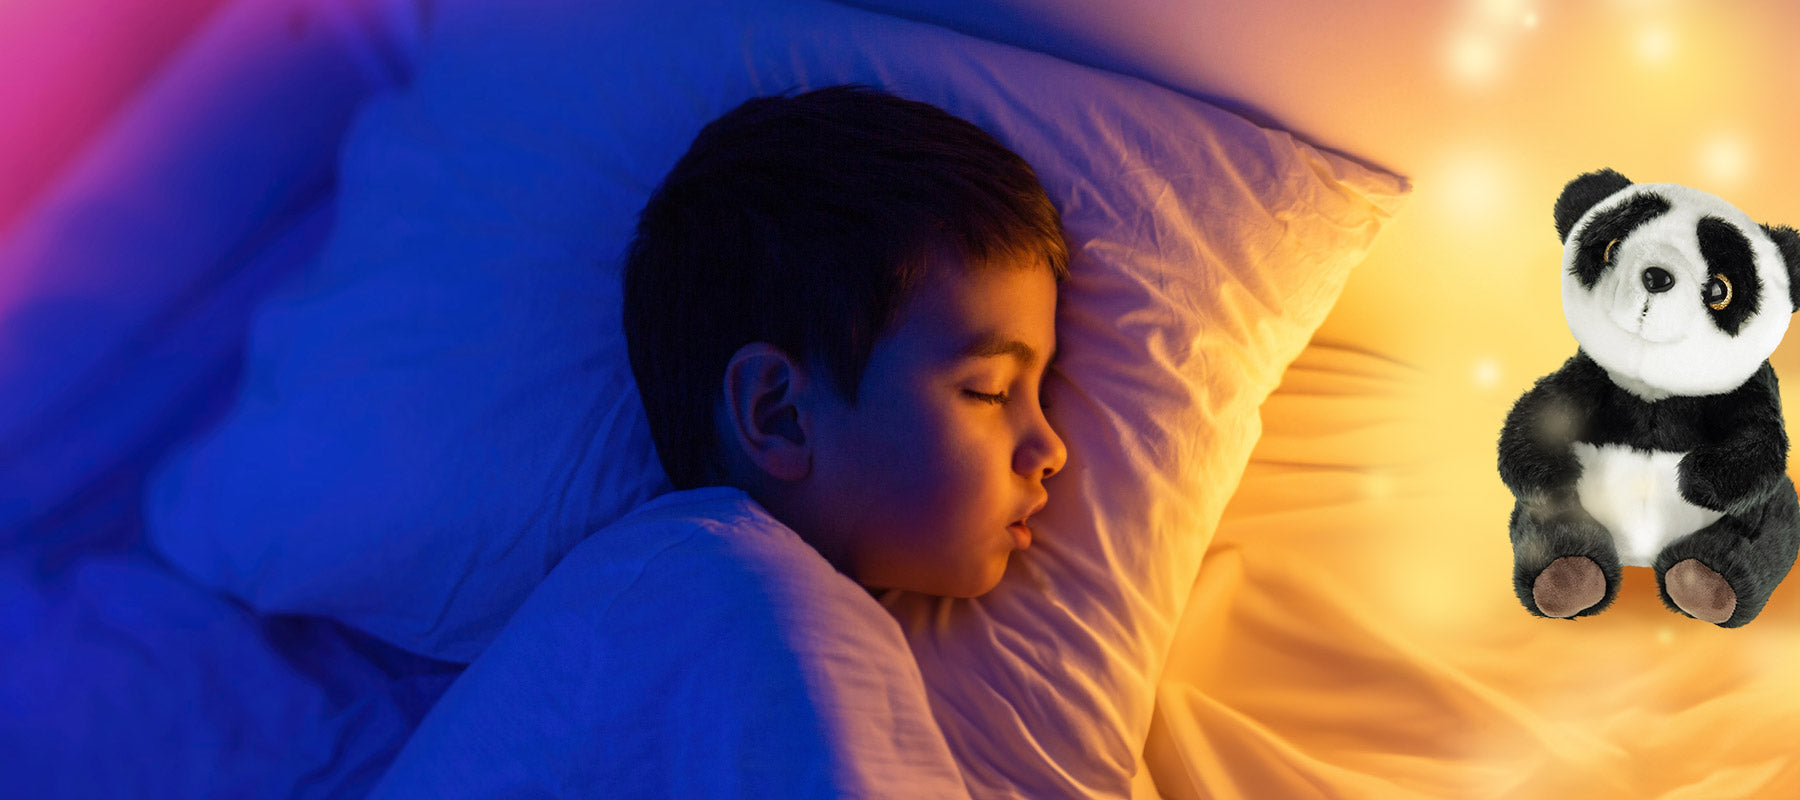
{"type": "Point", "coordinates": [994, 345]}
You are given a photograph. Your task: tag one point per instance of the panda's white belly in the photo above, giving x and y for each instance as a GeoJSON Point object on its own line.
{"type": "Point", "coordinates": [1637, 496]}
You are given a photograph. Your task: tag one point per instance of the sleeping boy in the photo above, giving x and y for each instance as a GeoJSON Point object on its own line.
{"type": "Point", "coordinates": [839, 309]}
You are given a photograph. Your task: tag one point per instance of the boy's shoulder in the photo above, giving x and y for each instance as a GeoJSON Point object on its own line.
{"type": "Point", "coordinates": [706, 582]}
{"type": "Point", "coordinates": [695, 618]}
{"type": "Point", "coordinates": [712, 552]}
{"type": "Point", "coordinates": [717, 530]}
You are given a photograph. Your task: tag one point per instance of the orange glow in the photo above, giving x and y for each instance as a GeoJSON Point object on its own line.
{"type": "Point", "coordinates": [1358, 637]}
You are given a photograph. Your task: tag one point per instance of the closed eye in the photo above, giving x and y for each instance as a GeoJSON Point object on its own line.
{"type": "Point", "coordinates": [1001, 398]}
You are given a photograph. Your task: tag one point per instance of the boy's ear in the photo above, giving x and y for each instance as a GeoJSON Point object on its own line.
{"type": "Point", "coordinates": [763, 412]}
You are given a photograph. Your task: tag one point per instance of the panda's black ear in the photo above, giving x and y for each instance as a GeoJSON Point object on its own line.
{"type": "Point", "coordinates": [1581, 194]}
{"type": "Point", "coordinates": [1788, 240]}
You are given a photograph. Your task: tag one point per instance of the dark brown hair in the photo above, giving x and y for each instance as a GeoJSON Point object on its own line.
{"type": "Point", "coordinates": [805, 221]}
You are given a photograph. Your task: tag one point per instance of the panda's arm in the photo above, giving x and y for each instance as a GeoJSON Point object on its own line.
{"type": "Point", "coordinates": [1535, 454]}
{"type": "Point", "coordinates": [1737, 473]}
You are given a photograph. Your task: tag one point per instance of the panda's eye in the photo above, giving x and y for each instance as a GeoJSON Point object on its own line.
{"type": "Point", "coordinates": [1606, 257]}
{"type": "Point", "coordinates": [1717, 292]}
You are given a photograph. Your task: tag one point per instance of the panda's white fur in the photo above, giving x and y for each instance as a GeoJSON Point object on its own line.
{"type": "Point", "coordinates": [1635, 494]}
{"type": "Point", "coordinates": [1671, 349]}
{"type": "Point", "coordinates": [1658, 345]}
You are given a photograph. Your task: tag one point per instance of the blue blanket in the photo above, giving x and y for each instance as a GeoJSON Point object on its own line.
{"type": "Point", "coordinates": [125, 290]}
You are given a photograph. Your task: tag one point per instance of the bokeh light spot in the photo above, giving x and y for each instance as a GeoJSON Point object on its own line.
{"type": "Point", "coordinates": [1655, 45]}
{"type": "Point", "coordinates": [1487, 373]}
{"type": "Point", "coordinates": [1474, 60]}
{"type": "Point", "coordinates": [1473, 189]}
{"type": "Point", "coordinates": [1378, 485]}
{"type": "Point", "coordinates": [1724, 159]}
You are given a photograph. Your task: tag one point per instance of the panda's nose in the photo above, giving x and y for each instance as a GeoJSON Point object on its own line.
{"type": "Point", "coordinates": [1657, 279]}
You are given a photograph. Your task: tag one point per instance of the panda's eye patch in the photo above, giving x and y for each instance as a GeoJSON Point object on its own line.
{"type": "Point", "coordinates": [1717, 292]}
{"type": "Point", "coordinates": [1602, 235]}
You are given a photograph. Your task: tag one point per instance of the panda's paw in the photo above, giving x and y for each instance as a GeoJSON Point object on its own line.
{"type": "Point", "coordinates": [1699, 591]}
{"type": "Point", "coordinates": [1569, 586]}
{"type": "Point", "coordinates": [1699, 484]}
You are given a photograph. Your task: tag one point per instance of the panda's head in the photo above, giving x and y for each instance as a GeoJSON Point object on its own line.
{"type": "Point", "coordinates": [1672, 290]}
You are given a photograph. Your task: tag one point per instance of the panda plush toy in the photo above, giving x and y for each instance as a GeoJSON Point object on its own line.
{"type": "Point", "coordinates": [1661, 443]}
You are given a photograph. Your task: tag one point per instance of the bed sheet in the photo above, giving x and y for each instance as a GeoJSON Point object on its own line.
{"type": "Point", "coordinates": [1353, 632]}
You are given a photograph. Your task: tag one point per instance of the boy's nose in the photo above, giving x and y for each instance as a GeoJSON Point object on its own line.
{"type": "Point", "coordinates": [1049, 456]}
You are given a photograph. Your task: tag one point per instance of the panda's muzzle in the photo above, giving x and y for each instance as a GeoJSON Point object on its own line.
{"type": "Point", "coordinates": [1658, 280]}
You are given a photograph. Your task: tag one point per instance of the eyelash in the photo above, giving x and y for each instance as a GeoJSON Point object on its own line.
{"type": "Point", "coordinates": [1001, 398]}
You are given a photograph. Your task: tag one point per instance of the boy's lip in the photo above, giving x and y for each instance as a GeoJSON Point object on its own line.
{"type": "Point", "coordinates": [1043, 500]}
{"type": "Point", "coordinates": [1021, 529]}
{"type": "Point", "coordinates": [1021, 535]}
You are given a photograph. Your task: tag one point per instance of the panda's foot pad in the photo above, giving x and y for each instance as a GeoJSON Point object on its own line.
{"type": "Point", "coordinates": [1701, 592]}
{"type": "Point", "coordinates": [1569, 586]}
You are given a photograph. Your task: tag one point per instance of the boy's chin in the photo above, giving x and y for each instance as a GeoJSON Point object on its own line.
{"type": "Point", "coordinates": [974, 584]}
{"type": "Point", "coordinates": [978, 583]}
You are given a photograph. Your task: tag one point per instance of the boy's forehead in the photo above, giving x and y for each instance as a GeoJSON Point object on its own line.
{"type": "Point", "coordinates": [959, 326]}
{"type": "Point", "coordinates": [956, 313]}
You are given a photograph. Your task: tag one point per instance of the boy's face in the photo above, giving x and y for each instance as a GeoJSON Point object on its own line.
{"type": "Point", "coordinates": [916, 487]}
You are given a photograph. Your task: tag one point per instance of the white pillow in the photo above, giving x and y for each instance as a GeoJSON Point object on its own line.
{"type": "Point", "coordinates": [445, 407]}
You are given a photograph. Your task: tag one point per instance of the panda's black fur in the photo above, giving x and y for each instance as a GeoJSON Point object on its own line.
{"type": "Point", "coordinates": [1724, 450]}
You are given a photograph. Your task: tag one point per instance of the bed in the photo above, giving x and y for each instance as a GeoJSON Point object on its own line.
{"type": "Point", "coordinates": [244, 554]}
